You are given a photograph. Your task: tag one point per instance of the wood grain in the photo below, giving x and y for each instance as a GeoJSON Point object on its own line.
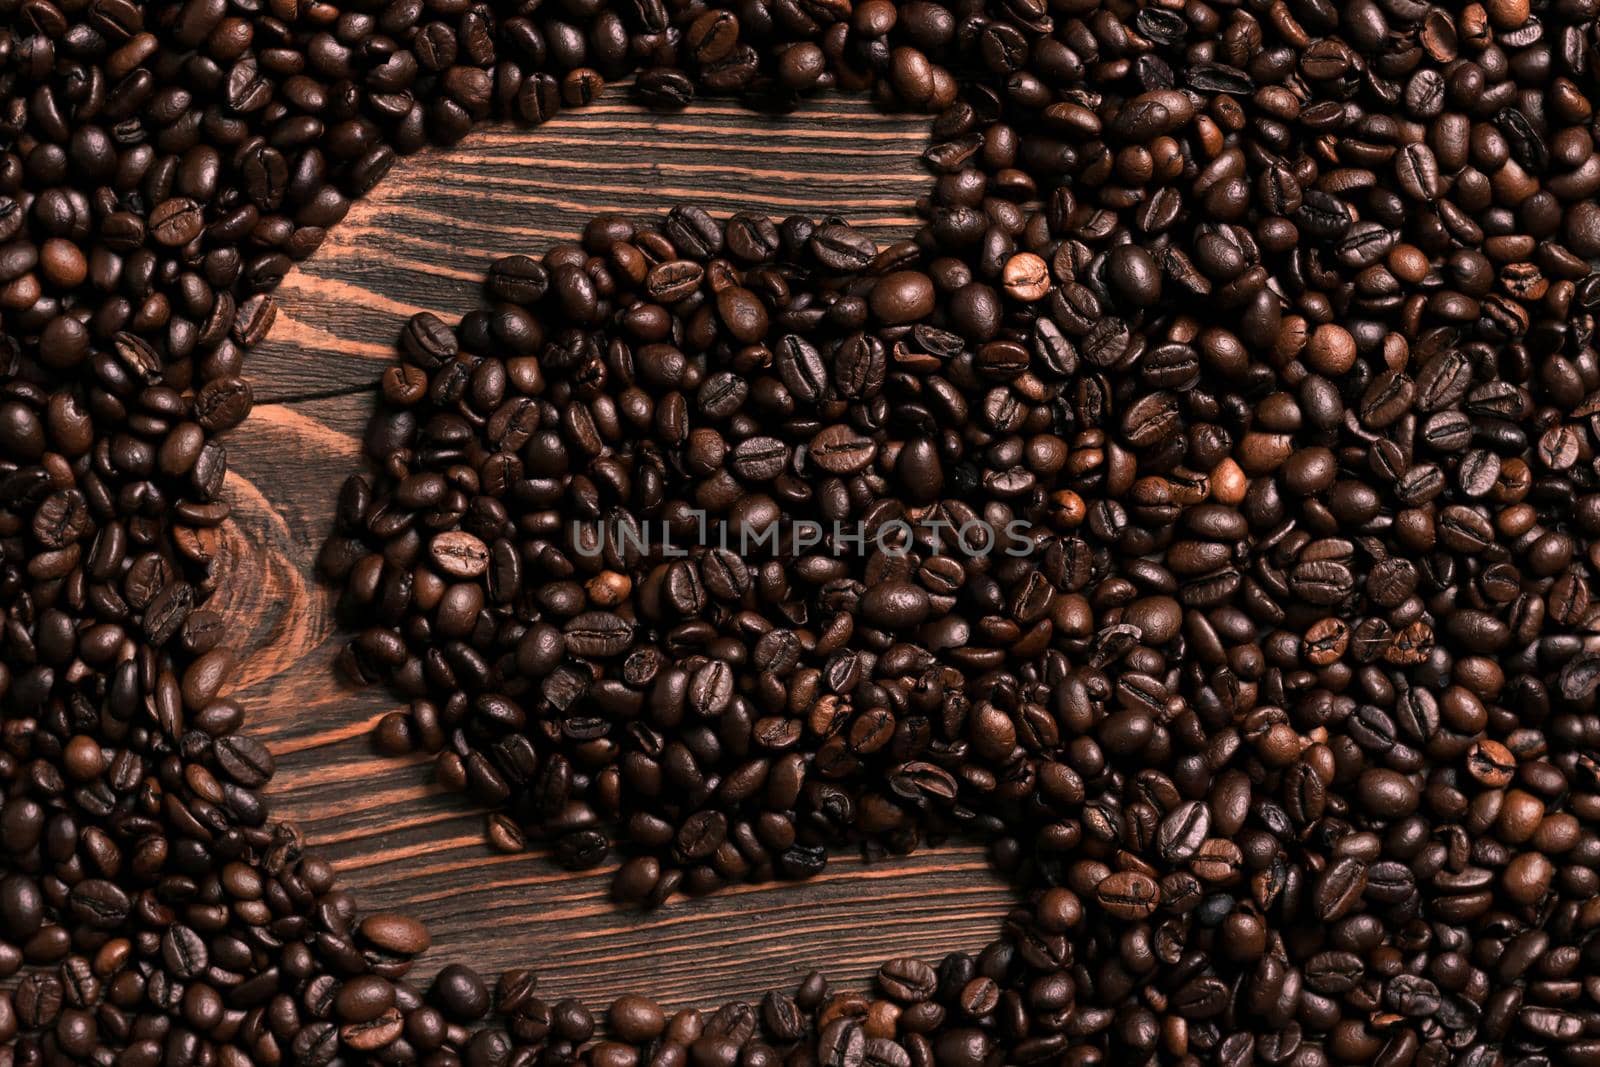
{"type": "Point", "coordinates": [423, 238]}
{"type": "Point", "coordinates": [422, 241]}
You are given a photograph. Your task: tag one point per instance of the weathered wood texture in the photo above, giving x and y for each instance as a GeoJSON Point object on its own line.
{"type": "Point", "coordinates": [422, 241]}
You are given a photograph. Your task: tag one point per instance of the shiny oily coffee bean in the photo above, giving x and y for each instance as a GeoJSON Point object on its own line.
{"type": "Point", "coordinates": [1260, 337]}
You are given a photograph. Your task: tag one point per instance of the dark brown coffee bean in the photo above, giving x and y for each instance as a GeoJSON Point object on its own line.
{"type": "Point", "coordinates": [840, 248]}
{"type": "Point", "coordinates": [427, 341]}
{"type": "Point", "coordinates": [1279, 402]}
{"type": "Point", "coordinates": [245, 760]}
{"type": "Point", "coordinates": [459, 554]}
{"type": "Point", "coordinates": [222, 404]}
{"type": "Point", "coordinates": [909, 981]}
{"type": "Point", "coordinates": [1128, 895]}
{"type": "Point", "coordinates": [598, 633]}
{"type": "Point", "coordinates": [838, 450]}
{"type": "Point", "coordinates": [176, 222]}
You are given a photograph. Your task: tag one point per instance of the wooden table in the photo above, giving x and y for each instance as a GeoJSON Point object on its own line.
{"type": "Point", "coordinates": [422, 241]}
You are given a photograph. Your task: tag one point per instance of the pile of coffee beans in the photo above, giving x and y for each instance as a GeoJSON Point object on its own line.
{"type": "Point", "coordinates": [1201, 510]}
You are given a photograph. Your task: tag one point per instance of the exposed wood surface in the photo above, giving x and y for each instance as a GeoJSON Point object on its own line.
{"type": "Point", "coordinates": [421, 241]}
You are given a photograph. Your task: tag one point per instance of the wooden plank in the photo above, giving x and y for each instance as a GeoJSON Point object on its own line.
{"type": "Point", "coordinates": [422, 241]}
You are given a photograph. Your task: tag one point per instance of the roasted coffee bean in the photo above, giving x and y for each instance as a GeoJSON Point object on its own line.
{"type": "Point", "coordinates": [841, 248]}
{"type": "Point", "coordinates": [459, 554]}
{"type": "Point", "coordinates": [176, 222]}
{"type": "Point", "coordinates": [245, 760]}
{"type": "Point", "coordinates": [1198, 507]}
{"type": "Point", "coordinates": [1128, 895]}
